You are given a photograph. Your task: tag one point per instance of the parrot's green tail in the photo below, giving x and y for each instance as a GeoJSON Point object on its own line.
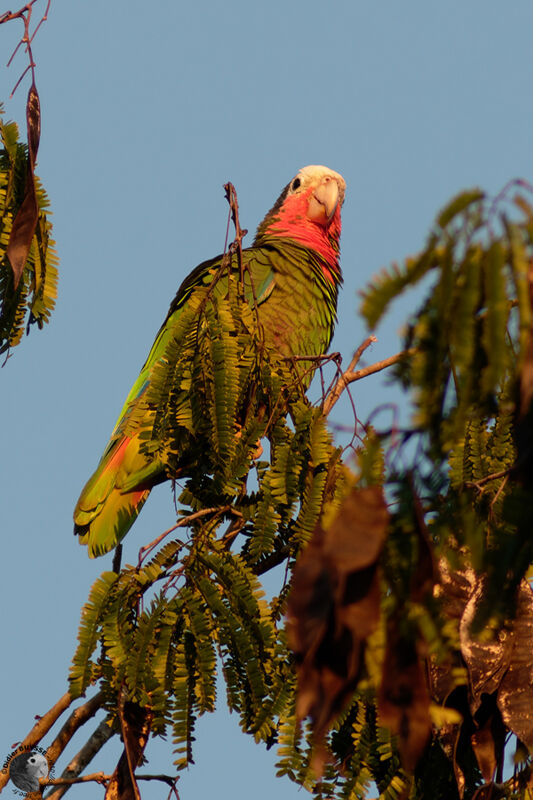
{"type": "Point", "coordinates": [112, 498]}
{"type": "Point", "coordinates": [112, 523]}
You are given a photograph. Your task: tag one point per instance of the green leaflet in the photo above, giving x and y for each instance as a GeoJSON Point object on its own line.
{"type": "Point", "coordinates": [389, 284]}
{"type": "Point", "coordinates": [458, 205]}
{"type": "Point", "coordinates": [469, 336]}
{"type": "Point", "coordinates": [139, 673]}
{"type": "Point", "coordinates": [222, 349]}
{"type": "Point", "coordinates": [183, 717]}
{"type": "Point", "coordinates": [93, 610]}
{"type": "Point", "coordinates": [245, 630]}
{"type": "Point", "coordinates": [162, 662]}
{"type": "Point", "coordinates": [320, 450]}
{"type": "Point", "coordinates": [202, 649]}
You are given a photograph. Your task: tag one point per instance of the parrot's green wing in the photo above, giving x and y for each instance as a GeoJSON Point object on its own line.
{"type": "Point", "coordinates": [116, 492]}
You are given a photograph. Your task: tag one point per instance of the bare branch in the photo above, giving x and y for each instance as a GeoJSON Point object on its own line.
{"type": "Point", "coordinates": [182, 523]}
{"type": "Point", "coordinates": [27, 38]}
{"type": "Point", "coordinates": [100, 777]}
{"type": "Point", "coordinates": [351, 374]}
{"type": "Point", "coordinates": [344, 379]}
{"type": "Point", "coordinates": [272, 560]}
{"type": "Point", "coordinates": [240, 233]}
{"type": "Point", "coordinates": [380, 365]}
{"type": "Point", "coordinates": [97, 777]}
{"type": "Point", "coordinates": [78, 718]}
{"type": "Point", "coordinates": [492, 477]}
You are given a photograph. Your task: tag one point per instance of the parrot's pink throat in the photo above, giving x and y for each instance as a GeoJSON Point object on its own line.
{"type": "Point", "coordinates": [291, 221]}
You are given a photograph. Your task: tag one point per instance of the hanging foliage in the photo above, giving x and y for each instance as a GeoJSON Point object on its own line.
{"type": "Point", "coordinates": [28, 260]}
{"type": "Point", "coordinates": [405, 661]}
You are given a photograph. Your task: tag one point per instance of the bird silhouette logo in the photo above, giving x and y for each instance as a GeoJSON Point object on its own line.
{"type": "Point", "coordinates": [26, 768]}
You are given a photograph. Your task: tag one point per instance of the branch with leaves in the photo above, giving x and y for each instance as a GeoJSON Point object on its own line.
{"type": "Point", "coordinates": [28, 262]}
{"type": "Point", "coordinates": [410, 617]}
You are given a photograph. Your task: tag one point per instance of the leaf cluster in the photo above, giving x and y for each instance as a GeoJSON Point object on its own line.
{"type": "Point", "coordinates": [158, 631]}
{"type": "Point", "coordinates": [391, 624]}
{"type": "Point", "coordinates": [468, 338]}
{"type": "Point", "coordinates": [32, 300]}
{"type": "Point", "coordinates": [467, 465]}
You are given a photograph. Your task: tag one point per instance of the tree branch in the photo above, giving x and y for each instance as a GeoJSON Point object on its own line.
{"type": "Point", "coordinates": [135, 722]}
{"type": "Point", "coordinates": [182, 523]}
{"type": "Point", "coordinates": [71, 773]}
{"type": "Point", "coordinates": [492, 477]}
{"type": "Point", "coordinates": [24, 14]}
{"type": "Point", "coordinates": [100, 777]}
{"type": "Point", "coordinates": [351, 374]}
{"type": "Point", "coordinates": [78, 718]}
{"type": "Point", "coordinates": [97, 777]}
{"type": "Point", "coordinates": [240, 233]}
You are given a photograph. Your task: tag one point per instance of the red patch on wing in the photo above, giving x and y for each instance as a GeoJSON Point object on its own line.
{"type": "Point", "coordinates": [138, 497]}
{"type": "Point", "coordinates": [114, 464]}
{"type": "Point", "coordinates": [116, 459]}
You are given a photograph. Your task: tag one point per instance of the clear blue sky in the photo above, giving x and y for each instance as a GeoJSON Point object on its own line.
{"type": "Point", "coordinates": [147, 109]}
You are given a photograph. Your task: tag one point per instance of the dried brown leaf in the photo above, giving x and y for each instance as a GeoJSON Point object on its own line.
{"type": "Point", "coordinates": [357, 534]}
{"type": "Point", "coordinates": [486, 660]}
{"type": "Point", "coordinates": [403, 698]}
{"type": "Point", "coordinates": [33, 123]}
{"type": "Point", "coordinates": [515, 694]}
{"type": "Point", "coordinates": [500, 669]}
{"type": "Point", "coordinates": [334, 606]}
{"type": "Point", "coordinates": [488, 740]}
{"type": "Point", "coordinates": [25, 221]}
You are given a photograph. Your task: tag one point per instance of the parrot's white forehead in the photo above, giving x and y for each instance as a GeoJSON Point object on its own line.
{"type": "Point", "coordinates": [318, 171]}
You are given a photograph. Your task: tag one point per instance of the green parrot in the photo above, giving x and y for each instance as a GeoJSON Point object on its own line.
{"type": "Point", "coordinates": [292, 277]}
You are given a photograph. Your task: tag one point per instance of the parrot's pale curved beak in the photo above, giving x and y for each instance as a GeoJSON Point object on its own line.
{"type": "Point", "coordinates": [324, 201]}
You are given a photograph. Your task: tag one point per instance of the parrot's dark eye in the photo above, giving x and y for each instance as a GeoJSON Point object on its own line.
{"type": "Point", "coordinates": [296, 184]}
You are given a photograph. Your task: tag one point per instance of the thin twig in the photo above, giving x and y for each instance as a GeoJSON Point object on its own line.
{"type": "Point", "coordinates": [344, 379]}
{"type": "Point", "coordinates": [351, 374]}
{"type": "Point", "coordinates": [240, 233]}
{"type": "Point", "coordinates": [24, 14]}
{"type": "Point", "coordinates": [380, 365]}
{"type": "Point", "coordinates": [182, 523]}
{"type": "Point", "coordinates": [97, 777]}
{"type": "Point", "coordinates": [101, 777]}
{"type": "Point", "coordinates": [496, 497]}
{"type": "Point", "coordinates": [492, 477]}
{"type": "Point", "coordinates": [272, 560]}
